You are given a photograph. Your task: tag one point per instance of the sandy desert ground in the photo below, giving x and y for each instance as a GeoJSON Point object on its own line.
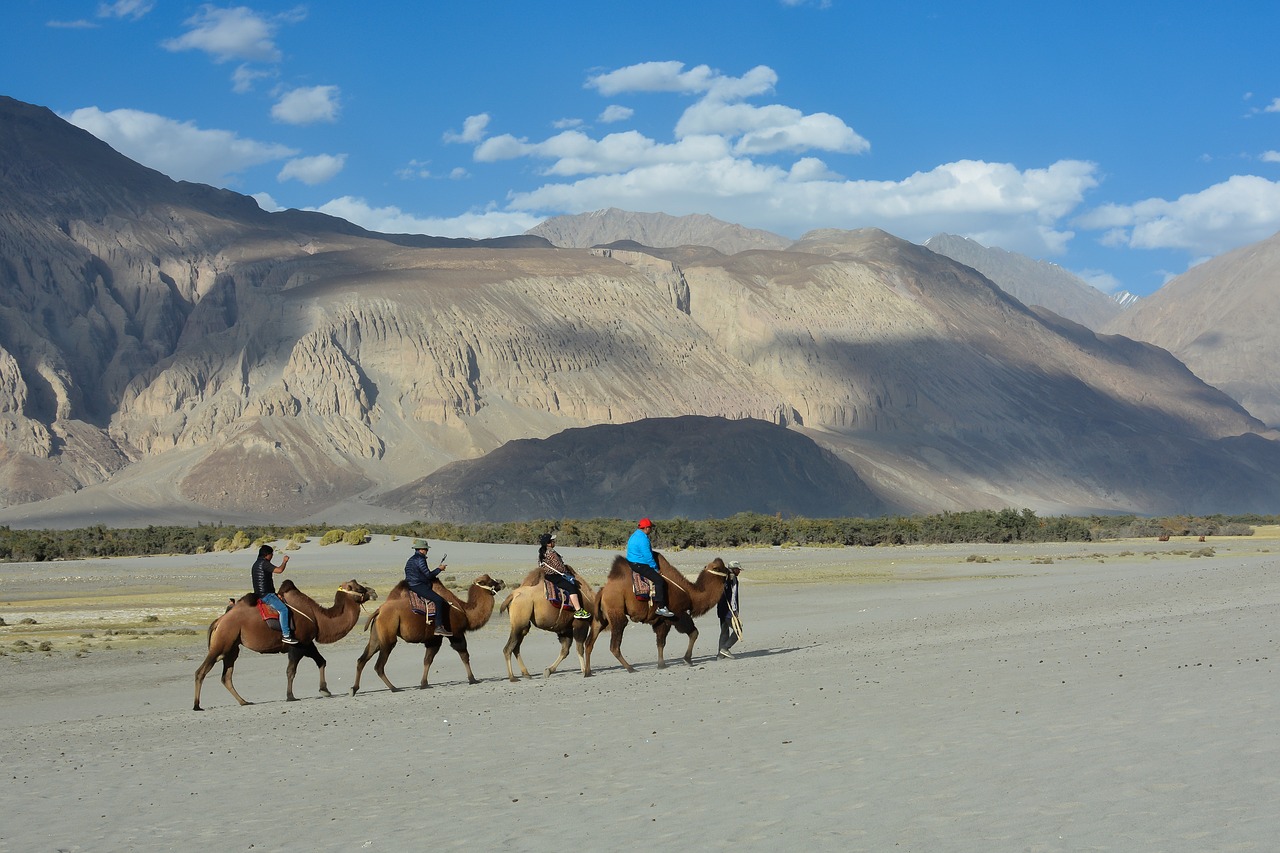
{"type": "Point", "coordinates": [1101, 696]}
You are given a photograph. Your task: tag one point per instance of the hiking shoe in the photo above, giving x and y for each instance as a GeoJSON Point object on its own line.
{"type": "Point", "coordinates": [440, 632]}
{"type": "Point", "coordinates": [665, 613]}
{"type": "Point", "coordinates": [581, 614]}
{"type": "Point", "coordinates": [725, 653]}
{"type": "Point", "coordinates": [289, 640]}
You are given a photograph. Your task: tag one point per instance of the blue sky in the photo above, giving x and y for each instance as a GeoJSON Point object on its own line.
{"type": "Point", "coordinates": [1124, 141]}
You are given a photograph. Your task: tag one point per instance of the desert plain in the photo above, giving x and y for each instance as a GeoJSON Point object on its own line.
{"type": "Point", "coordinates": [1113, 696]}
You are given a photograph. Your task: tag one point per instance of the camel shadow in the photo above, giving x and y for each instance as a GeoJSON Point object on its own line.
{"type": "Point", "coordinates": [762, 653]}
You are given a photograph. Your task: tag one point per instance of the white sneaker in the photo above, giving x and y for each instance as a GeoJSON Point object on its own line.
{"type": "Point", "coordinates": [725, 653]}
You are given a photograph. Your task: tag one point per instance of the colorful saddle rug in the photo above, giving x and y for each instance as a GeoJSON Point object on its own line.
{"type": "Point", "coordinates": [556, 595]}
{"type": "Point", "coordinates": [421, 606]}
{"type": "Point", "coordinates": [641, 586]}
{"type": "Point", "coordinates": [269, 615]}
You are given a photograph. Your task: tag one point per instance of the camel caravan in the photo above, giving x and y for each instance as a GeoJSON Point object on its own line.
{"type": "Point", "coordinates": [422, 610]}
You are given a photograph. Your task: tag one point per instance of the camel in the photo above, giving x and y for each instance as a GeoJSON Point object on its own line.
{"type": "Point", "coordinates": [616, 603]}
{"type": "Point", "coordinates": [394, 620]}
{"type": "Point", "coordinates": [528, 607]}
{"type": "Point", "coordinates": [241, 624]}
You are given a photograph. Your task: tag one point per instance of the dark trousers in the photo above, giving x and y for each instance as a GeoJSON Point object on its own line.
{"type": "Point", "coordinates": [727, 635]}
{"type": "Point", "coordinates": [564, 583]}
{"type": "Point", "coordinates": [659, 584]}
{"type": "Point", "coordinates": [442, 606]}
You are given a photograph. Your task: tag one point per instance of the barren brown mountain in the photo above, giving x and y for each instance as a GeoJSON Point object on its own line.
{"type": "Point", "coordinates": [170, 353]}
{"type": "Point", "coordinates": [1220, 319]}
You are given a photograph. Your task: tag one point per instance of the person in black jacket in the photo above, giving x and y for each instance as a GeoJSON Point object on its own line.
{"type": "Point", "coordinates": [265, 587]}
{"type": "Point", "coordinates": [727, 609]}
{"type": "Point", "coordinates": [421, 577]}
{"type": "Point", "coordinates": [560, 575]}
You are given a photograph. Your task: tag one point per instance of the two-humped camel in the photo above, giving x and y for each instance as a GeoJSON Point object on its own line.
{"type": "Point", "coordinates": [395, 620]}
{"type": "Point", "coordinates": [616, 603]}
{"type": "Point", "coordinates": [527, 607]}
{"type": "Point", "coordinates": [242, 624]}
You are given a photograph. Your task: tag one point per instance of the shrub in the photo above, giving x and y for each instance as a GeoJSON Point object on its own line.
{"type": "Point", "coordinates": [333, 536]}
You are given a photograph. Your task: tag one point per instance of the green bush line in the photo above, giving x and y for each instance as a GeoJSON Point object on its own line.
{"type": "Point", "coordinates": [741, 530]}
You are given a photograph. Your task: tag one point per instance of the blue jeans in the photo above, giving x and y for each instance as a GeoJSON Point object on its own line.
{"type": "Point", "coordinates": [273, 600]}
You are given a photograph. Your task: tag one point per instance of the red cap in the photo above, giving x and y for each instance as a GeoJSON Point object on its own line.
{"type": "Point", "coordinates": [644, 522]}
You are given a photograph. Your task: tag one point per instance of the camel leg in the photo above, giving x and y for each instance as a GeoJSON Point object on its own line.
{"type": "Point", "coordinates": [615, 642]}
{"type": "Point", "coordinates": [565, 643]}
{"type": "Point", "coordinates": [379, 666]}
{"type": "Point", "coordinates": [514, 643]}
{"type": "Point", "coordinates": [660, 632]}
{"type": "Point", "coordinates": [361, 661]}
{"type": "Point", "coordinates": [228, 666]}
{"type": "Point", "coordinates": [460, 646]}
{"type": "Point", "coordinates": [429, 654]}
{"type": "Point", "coordinates": [296, 653]}
{"type": "Point", "coordinates": [202, 671]}
{"type": "Point", "coordinates": [693, 638]}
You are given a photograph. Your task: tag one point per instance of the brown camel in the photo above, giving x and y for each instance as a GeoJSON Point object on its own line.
{"type": "Point", "coordinates": [617, 603]}
{"type": "Point", "coordinates": [394, 620]}
{"type": "Point", "coordinates": [528, 607]}
{"type": "Point", "coordinates": [243, 625]}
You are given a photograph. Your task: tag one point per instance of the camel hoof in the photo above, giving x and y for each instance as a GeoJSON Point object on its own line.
{"type": "Point", "coordinates": [197, 708]}
{"type": "Point", "coordinates": [353, 691]}
{"type": "Point", "coordinates": [547, 673]}
{"type": "Point", "coordinates": [325, 692]}
{"type": "Point", "coordinates": [291, 698]}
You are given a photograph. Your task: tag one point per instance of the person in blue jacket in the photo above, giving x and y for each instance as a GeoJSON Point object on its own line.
{"type": "Point", "coordinates": [420, 577]}
{"type": "Point", "coordinates": [640, 556]}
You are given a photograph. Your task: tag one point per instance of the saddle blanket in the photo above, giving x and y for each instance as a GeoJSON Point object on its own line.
{"type": "Point", "coordinates": [641, 586]}
{"type": "Point", "coordinates": [269, 615]}
{"type": "Point", "coordinates": [421, 606]}
{"type": "Point", "coordinates": [556, 596]}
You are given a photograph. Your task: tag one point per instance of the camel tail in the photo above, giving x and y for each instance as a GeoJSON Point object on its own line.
{"type": "Point", "coordinates": [598, 606]}
{"type": "Point", "coordinates": [369, 621]}
{"type": "Point", "coordinates": [506, 603]}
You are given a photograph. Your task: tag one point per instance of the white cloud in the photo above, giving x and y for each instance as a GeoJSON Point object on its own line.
{"type": "Point", "coordinates": [1100, 279]}
{"type": "Point", "coordinates": [615, 112]}
{"type": "Point", "coordinates": [134, 9]}
{"type": "Point", "coordinates": [393, 220]}
{"type": "Point", "coordinates": [765, 130]}
{"type": "Point", "coordinates": [811, 169]}
{"type": "Point", "coordinates": [313, 170]}
{"type": "Point", "coordinates": [652, 77]}
{"type": "Point", "coordinates": [233, 33]}
{"type": "Point", "coordinates": [1273, 107]}
{"type": "Point", "coordinates": [576, 153]}
{"type": "Point", "coordinates": [458, 173]}
{"type": "Point", "coordinates": [1008, 207]}
{"type": "Point", "coordinates": [266, 202]}
{"type": "Point", "coordinates": [243, 78]}
{"type": "Point", "coordinates": [307, 105]}
{"type": "Point", "coordinates": [179, 149]}
{"type": "Point", "coordinates": [79, 24]}
{"type": "Point", "coordinates": [567, 123]}
{"type": "Point", "coordinates": [473, 129]}
{"type": "Point", "coordinates": [1243, 209]}
{"type": "Point", "coordinates": [1270, 157]}
{"type": "Point", "coordinates": [414, 169]}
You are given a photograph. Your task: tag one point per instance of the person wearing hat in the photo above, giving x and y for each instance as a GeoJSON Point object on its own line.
{"type": "Point", "coordinates": [421, 578]}
{"type": "Point", "coordinates": [727, 610]}
{"type": "Point", "coordinates": [560, 575]}
{"type": "Point", "coordinates": [640, 556]}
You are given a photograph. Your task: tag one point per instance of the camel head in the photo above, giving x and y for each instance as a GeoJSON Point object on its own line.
{"type": "Point", "coordinates": [359, 591]}
{"type": "Point", "coordinates": [493, 585]}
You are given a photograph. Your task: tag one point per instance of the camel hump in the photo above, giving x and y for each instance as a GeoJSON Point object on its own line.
{"type": "Point", "coordinates": [287, 586]}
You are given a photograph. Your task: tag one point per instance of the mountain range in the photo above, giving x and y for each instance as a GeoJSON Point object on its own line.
{"type": "Point", "coordinates": [171, 351]}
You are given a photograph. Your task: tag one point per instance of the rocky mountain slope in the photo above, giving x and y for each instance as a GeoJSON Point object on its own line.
{"type": "Point", "coordinates": [1030, 281]}
{"type": "Point", "coordinates": [660, 230]}
{"type": "Point", "coordinates": [1219, 318]}
{"type": "Point", "coordinates": [686, 467]}
{"type": "Point", "coordinates": [171, 347]}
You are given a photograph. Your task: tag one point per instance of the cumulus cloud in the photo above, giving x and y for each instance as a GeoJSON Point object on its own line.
{"type": "Point", "coordinates": [1008, 207]}
{"type": "Point", "coordinates": [473, 129]}
{"type": "Point", "coordinates": [307, 105]}
{"type": "Point", "coordinates": [313, 170]}
{"type": "Point", "coordinates": [615, 112]}
{"type": "Point", "coordinates": [1273, 107]}
{"type": "Point", "coordinates": [179, 149]}
{"type": "Point", "coordinates": [1100, 279]}
{"type": "Point", "coordinates": [393, 220]}
{"type": "Point", "coordinates": [266, 202]}
{"type": "Point", "coordinates": [245, 76]}
{"type": "Point", "coordinates": [1270, 157]}
{"type": "Point", "coordinates": [1243, 209]}
{"type": "Point", "coordinates": [232, 33]}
